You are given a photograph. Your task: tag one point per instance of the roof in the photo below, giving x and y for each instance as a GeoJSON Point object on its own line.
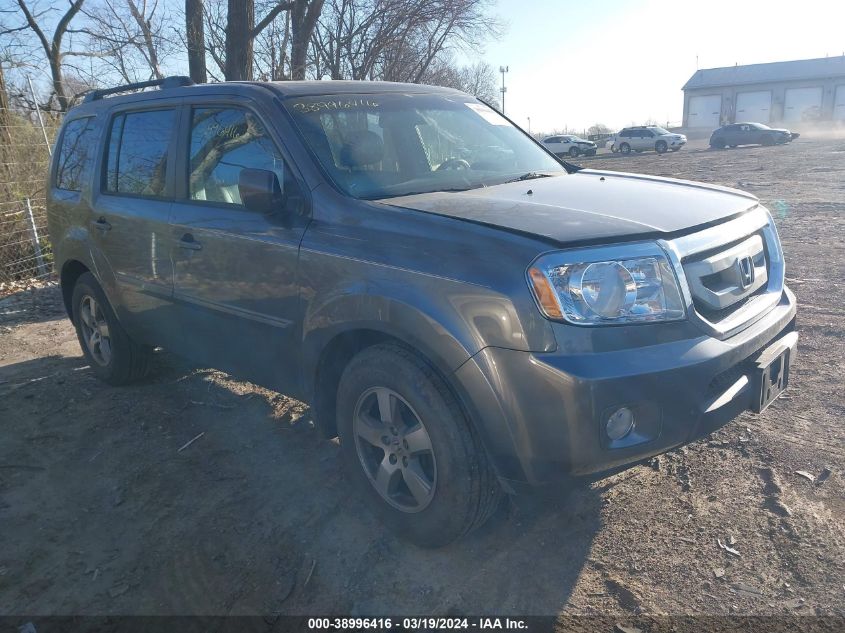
{"type": "Point", "coordinates": [335, 87]}
{"type": "Point", "coordinates": [822, 68]}
{"type": "Point", "coordinates": [284, 89]}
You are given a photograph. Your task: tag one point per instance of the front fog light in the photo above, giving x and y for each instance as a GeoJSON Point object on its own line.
{"type": "Point", "coordinates": [620, 423]}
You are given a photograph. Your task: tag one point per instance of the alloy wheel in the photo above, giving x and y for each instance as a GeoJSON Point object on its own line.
{"type": "Point", "coordinates": [394, 449]}
{"type": "Point", "coordinates": [95, 330]}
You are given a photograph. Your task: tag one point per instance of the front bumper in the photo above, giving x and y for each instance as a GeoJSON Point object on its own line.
{"type": "Point", "coordinates": [542, 415]}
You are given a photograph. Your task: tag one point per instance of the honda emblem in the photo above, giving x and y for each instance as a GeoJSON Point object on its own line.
{"type": "Point", "coordinates": [746, 271]}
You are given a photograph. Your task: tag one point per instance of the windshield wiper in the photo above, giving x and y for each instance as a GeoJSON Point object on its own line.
{"type": "Point", "coordinates": [382, 196]}
{"type": "Point", "coordinates": [531, 175]}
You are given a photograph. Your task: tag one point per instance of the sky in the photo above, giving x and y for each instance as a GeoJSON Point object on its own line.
{"type": "Point", "coordinates": [622, 62]}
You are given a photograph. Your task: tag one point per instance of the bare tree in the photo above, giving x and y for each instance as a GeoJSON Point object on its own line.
{"type": "Point", "coordinates": [195, 40]}
{"type": "Point", "coordinates": [238, 42]}
{"type": "Point", "coordinates": [599, 128]}
{"type": "Point", "coordinates": [398, 40]}
{"type": "Point", "coordinates": [53, 45]}
{"type": "Point", "coordinates": [130, 37]}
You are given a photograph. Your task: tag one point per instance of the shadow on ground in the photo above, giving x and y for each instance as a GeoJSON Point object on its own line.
{"type": "Point", "coordinates": [35, 304]}
{"type": "Point", "coordinates": [194, 494]}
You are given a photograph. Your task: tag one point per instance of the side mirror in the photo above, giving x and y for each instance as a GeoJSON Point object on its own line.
{"type": "Point", "coordinates": [260, 190]}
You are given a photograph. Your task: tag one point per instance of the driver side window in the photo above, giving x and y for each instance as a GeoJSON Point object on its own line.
{"type": "Point", "coordinates": [224, 143]}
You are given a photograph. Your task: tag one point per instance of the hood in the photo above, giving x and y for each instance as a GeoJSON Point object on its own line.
{"type": "Point", "coordinates": [587, 205]}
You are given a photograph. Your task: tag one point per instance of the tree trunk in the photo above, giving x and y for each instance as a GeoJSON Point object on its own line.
{"type": "Point", "coordinates": [195, 31]}
{"type": "Point", "coordinates": [303, 20]}
{"type": "Point", "coordinates": [5, 119]}
{"type": "Point", "coordinates": [239, 25]}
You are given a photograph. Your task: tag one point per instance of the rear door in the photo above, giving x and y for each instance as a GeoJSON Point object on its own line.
{"type": "Point", "coordinates": [235, 269]}
{"type": "Point", "coordinates": [553, 144]}
{"type": "Point", "coordinates": [129, 223]}
{"type": "Point", "coordinates": [740, 134]}
{"type": "Point", "coordinates": [644, 139]}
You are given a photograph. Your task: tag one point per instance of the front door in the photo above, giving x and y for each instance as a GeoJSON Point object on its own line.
{"type": "Point", "coordinates": [235, 268]}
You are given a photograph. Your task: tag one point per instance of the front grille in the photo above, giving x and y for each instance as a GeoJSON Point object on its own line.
{"type": "Point", "coordinates": [733, 271]}
{"type": "Point", "coordinates": [721, 281]}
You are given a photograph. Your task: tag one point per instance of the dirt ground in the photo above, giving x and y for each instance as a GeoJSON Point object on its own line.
{"type": "Point", "coordinates": [102, 513]}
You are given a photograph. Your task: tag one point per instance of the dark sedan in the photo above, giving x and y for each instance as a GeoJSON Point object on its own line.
{"type": "Point", "coordinates": [749, 134]}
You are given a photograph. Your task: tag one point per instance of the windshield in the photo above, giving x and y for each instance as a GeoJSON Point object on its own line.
{"type": "Point", "coordinates": [381, 146]}
{"type": "Point", "coordinates": [760, 126]}
{"type": "Point", "coordinates": [659, 130]}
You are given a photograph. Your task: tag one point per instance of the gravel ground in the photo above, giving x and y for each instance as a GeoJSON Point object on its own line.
{"type": "Point", "coordinates": [102, 513]}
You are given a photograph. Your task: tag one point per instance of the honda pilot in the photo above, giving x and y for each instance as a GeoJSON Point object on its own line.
{"type": "Point", "coordinates": [471, 315]}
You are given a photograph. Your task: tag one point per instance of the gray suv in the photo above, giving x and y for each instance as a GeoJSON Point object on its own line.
{"type": "Point", "coordinates": [469, 314]}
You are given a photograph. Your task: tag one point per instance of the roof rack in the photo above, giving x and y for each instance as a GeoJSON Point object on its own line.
{"type": "Point", "coordinates": [163, 84]}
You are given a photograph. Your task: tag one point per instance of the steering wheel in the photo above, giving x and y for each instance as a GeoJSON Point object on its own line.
{"type": "Point", "coordinates": [456, 164]}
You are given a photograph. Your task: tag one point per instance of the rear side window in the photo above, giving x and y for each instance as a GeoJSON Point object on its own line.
{"type": "Point", "coordinates": [75, 154]}
{"type": "Point", "coordinates": [137, 153]}
{"type": "Point", "coordinates": [224, 142]}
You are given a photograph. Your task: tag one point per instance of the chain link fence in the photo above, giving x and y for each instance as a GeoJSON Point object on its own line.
{"type": "Point", "coordinates": [25, 139]}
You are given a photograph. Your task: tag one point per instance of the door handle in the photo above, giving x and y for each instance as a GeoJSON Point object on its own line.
{"type": "Point", "coordinates": [188, 243]}
{"type": "Point", "coordinates": [102, 225]}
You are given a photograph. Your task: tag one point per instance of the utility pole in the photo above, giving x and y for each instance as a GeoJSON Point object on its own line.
{"type": "Point", "coordinates": [529, 125]}
{"type": "Point", "coordinates": [503, 70]}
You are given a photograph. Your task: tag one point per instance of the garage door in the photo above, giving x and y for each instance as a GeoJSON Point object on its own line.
{"type": "Point", "coordinates": [704, 111]}
{"type": "Point", "coordinates": [753, 107]}
{"type": "Point", "coordinates": [839, 104]}
{"type": "Point", "coordinates": [802, 104]}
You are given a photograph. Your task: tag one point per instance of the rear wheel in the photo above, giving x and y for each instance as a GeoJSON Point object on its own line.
{"type": "Point", "coordinates": [660, 147]}
{"type": "Point", "coordinates": [410, 450]}
{"type": "Point", "coordinates": [574, 151]}
{"type": "Point", "coordinates": [114, 357]}
{"type": "Point", "coordinates": [625, 148]}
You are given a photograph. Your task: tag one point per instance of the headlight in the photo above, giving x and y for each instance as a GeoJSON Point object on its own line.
{"type": "Point", "coordinates": [634, 283]}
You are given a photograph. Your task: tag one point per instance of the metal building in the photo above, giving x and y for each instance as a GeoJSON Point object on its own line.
{"type": "Point", "coordinates": [791, 93]}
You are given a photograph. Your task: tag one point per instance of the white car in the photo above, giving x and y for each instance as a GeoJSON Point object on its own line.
{"type": "Point", "coordinates": [569, 144]}
{"type": "Point", "coordinates": [647, 137]}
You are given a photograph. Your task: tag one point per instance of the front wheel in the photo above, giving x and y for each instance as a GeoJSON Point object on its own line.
{"type": "Point", "coordinates": [113, 356]}
{"type": "Point", "coordinates": [574, 151]}
{"type": "Point", "coordinates": [410, 450]}
{"type": "Point", "coordinates": [625, 148]}
{"type": "Point", "coordinates": [660, 147]}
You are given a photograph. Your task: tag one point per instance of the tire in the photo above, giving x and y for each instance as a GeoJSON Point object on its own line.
{"type": "Point", "coordinates": [113, 356]}
{"type": "Point", "coordinates": [660, 147]}
{"type": "Point", "coordinates": [625, 148]}
{"type": "Point", "coordinates": [614, 149]}
{"type": "Point", "coordinates": [574, 151]}
{"type": "Point", "coordinates": [456, 487]}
